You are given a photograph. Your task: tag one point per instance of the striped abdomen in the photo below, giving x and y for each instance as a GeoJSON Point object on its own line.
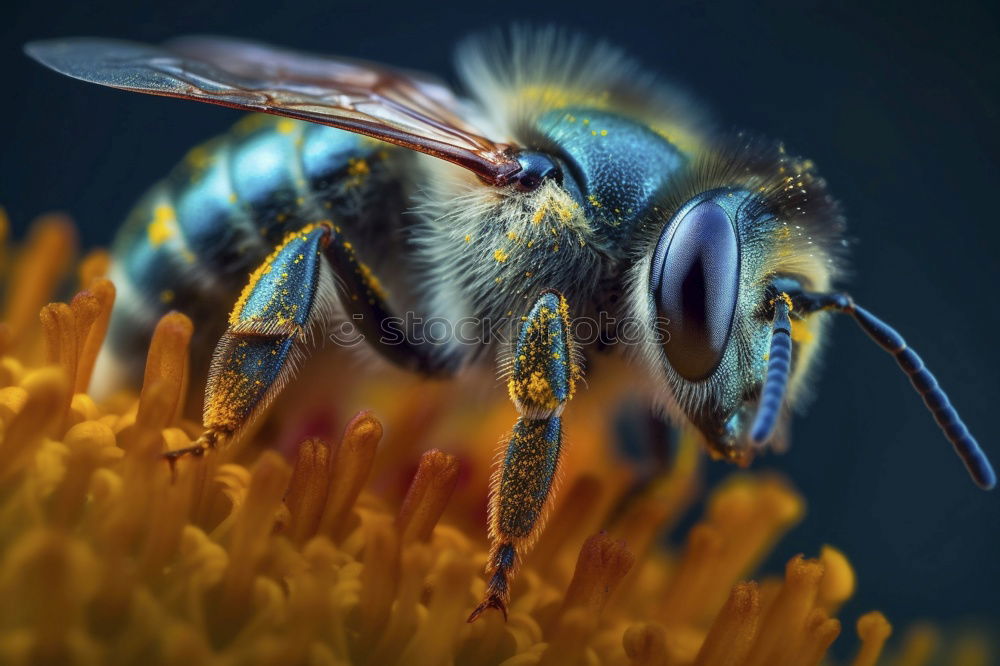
{"type": "Point", "coordinates": [192, 240]}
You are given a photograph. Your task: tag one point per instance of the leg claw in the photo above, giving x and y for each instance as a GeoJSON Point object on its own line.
{"type": "Point", "coordinates": [491, 601]}
{"type": "Point", "coordinates": [208, 441]}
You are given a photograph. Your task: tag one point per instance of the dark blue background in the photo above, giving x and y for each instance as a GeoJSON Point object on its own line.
{"type": "Point", "coordinates": [896, 104]}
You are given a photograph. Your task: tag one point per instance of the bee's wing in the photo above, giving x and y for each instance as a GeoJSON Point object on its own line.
{"type": "Point", "coordinates": [402, 108]}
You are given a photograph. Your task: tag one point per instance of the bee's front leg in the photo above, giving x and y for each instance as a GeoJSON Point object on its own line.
{"type": "Point", "coordinates": [543, 373]}
{"type": "Point", "coordinates": [270, 327]}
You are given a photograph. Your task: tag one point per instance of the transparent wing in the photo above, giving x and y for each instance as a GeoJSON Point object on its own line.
{"type": "Point", "coordinates": [407, 109]}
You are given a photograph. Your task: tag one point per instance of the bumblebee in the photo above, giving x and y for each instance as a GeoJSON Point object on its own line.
{"type": "Point", "coordinates": [569, 185]}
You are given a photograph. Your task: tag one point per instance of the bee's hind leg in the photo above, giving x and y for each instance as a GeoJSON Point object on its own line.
{"type": "Point", "coordinates": [286, 299]}
{"type": "Point", "coordinates": [543, 372]}
{"type": "Point", "coordinates": [289, 300]}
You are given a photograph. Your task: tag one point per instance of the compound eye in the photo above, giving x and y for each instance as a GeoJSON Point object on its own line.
{"type": "Point", "coordinates": [694, 283]}
{"type": "Point", "coordinates": [536, 168]}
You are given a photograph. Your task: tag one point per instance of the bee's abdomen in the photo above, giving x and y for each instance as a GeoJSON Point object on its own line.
{"type": "Point", "coordinates": [192, 240]}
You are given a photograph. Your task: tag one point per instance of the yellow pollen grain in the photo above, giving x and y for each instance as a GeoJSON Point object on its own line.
{"type": "Point", "coordinates": [358, 167]}
{"type": "Point", "coordinates": [468, 238]}
{"type": "Point", "coordinates": [163, 227]}
{"type": "Point", "coordinates": [801, 332]}
{"type": "Point", "coordinates": [251, 123]}
{"type": "Point", "coordinates": [372, 282]}
{"type": "Point", "coordinates": [500, 255]}
{"type": "Point", "coordinates": [787, 299]}
{"type": "Point", "coordinates": [537, 389]}
{"type": "Point", "coordinates": [198, 157]}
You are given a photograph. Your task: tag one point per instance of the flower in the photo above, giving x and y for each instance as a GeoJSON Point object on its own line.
{"type": "Point", "coordinates": [247, 556]}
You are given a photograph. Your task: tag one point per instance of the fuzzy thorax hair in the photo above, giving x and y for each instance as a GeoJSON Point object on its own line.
{"type": "Point", "coordinates": [516, 77]}
{"type": "Point", "coordinates": [488, 252]}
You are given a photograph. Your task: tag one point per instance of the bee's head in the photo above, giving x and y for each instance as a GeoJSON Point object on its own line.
{"type": "Point", "coordinates": [714, 253]}
{"type": "Point", "coordinates": [733, 274]}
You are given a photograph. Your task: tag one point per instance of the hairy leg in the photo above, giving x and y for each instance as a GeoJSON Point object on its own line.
{"type": "Point", "coordinates": [543, 372]}
{"type": "Point", "coordinates": [286, 299]}
{"type": "Point", "coordinates": [313, 274]}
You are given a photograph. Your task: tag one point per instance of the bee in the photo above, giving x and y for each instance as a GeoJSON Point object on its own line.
{"type": "Point", "coordinates": [569, 184]}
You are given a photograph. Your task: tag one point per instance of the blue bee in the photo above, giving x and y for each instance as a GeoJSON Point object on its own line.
{"type": "Point", "coordinates": [370, 193]}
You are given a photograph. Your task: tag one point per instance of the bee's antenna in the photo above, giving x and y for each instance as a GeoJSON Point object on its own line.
{"type": "Point", "coordinates": [779, 363]}
{"type": "Point", "coordinates": [923, 381]}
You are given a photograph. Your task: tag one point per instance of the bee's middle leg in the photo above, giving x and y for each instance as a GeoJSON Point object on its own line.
{"type": "Point", "coordinates": [543, 373]}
